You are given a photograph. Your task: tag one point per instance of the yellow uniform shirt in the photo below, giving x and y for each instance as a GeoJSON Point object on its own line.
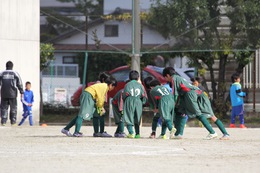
{"type": "Point", "coordinates": [98, 92]}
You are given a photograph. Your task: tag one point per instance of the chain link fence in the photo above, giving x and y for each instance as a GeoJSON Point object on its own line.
{"type": "Point", "coordinates": [58, 83]}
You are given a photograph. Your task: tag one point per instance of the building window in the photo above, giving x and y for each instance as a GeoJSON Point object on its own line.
{"type": "Point", "coordinates": [111, 30]}
{"type": "Point", "coordinates": [69, 59]}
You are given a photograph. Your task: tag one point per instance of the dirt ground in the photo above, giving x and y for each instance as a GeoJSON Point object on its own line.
{"type": "Point", "coordinates": [44, 149]}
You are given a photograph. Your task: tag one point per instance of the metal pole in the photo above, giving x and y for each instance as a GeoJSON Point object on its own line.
{"type": "Point", "coordinates": [51, 91]}
{"type": "Point", "coordinates": [85, 71]}
{"type": "Point", "coordinates": [254, 81]}
{"type": "Point", "coordinates": [136, 41]}
{"type": "Point", "coordinates": [86, 30]}
{"type": "Point", "coordinates": [136, 31]}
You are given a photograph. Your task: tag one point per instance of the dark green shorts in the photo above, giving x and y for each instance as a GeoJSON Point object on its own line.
{"type": "Point", "coordinates": [87, 106]}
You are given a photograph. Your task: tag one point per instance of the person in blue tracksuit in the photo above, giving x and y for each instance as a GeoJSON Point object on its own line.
{"type": "Point", "coordinates": [237, 101]}
{"type": "Point", "coordinates": [27, 101]}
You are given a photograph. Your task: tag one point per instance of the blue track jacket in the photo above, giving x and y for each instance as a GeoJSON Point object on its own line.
{"type": "Point", "coordinates": [28, 99]}
{"type": "Point", "coordinates": [236, 94]}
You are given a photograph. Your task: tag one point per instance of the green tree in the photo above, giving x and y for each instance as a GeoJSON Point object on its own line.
{"type": "Point", "coordinates": [56, 24]}
{"type": "Point", "coordinates": [245, 21]}
{"type": "Point", "coordinates": [195, 25]}
{"type": "Point", "coordinates": [46, 55]}
{"type": "Point", "coordinates": [245, 27]}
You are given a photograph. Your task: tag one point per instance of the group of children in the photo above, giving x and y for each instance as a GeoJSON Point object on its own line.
{"type": "Point", "coordinates": [171, 103]}
{"type": "Point", "coordinates": [129, 109]}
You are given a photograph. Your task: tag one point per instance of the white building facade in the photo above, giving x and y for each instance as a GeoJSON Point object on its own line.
{"type": "Point", "coordinates": [19, 43]}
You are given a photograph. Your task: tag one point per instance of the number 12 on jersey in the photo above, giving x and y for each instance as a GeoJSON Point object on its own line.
{"type": "Point", "coordinates": [135, 92]}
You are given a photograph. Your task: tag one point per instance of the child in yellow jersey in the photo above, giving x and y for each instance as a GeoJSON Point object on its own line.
{"type": "Point", "coordinates": [94, 93]}
{"type": "Point", "coordinates": [99, 120]}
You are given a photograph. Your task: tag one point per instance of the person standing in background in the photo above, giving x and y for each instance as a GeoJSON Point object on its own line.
{"type": "Point", "coordinates": [0, 98]}
{"type": "Point", "coordinates": [27, 101]}
{"type": "Point", "coordinates": [10, 81]}
{"type": "Point", "coordinates": [237, 101]}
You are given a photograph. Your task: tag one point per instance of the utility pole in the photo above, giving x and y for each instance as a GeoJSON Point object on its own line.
{"type": "Point", "coordinates": [86, 30]}
{"type": "Point", "coordinates": [86, 49]}
{"type": "Point", "coordinates": [136, 31]}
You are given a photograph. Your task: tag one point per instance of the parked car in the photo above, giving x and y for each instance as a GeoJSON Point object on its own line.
{"type": "Point", "coordinates": [121, 75]}
{"type": "Point", "coordinates": [186, 73]}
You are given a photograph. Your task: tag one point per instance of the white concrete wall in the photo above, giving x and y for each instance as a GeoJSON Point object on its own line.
{"type": "Point", "coordinates": [19, 43]}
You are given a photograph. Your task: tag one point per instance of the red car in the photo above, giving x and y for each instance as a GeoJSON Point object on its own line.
{"type": "Point", "coordinates": [121, 75]}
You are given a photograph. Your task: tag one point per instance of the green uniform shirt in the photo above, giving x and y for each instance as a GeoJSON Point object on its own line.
{"type": "Point", "coordinates": [180, 86]}
{"type": "Point", "coordinates": [134, 97]}
{"type": "Point", "coordinates": [117, 104]}
{"type": "Point", "coordinates": [163, 100]}
{"type": "Point", "coordinates": [191, 99]}
{"type": "Point", "coordinates": [135, 89]}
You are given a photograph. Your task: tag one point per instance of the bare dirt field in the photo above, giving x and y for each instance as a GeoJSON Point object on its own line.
{"type": "Point", "coordinates": [44, 149]}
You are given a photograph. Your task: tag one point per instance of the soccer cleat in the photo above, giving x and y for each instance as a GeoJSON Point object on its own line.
{"type": "Point", "coordinates": [242, 126]}
{"type": "Point", "coordinates": [137, 136]}
{"type": "Point", "coordinates": [14, 125]}
{"type": "Point", "coordinates": [3, 124]}
{"type": "Point", "coordinates": [152, 136]}
{"type": "Point", "coordinates": [224, 137]}
{"type": "Point", "coordinates": [97, 134]}
{"type": "Point", "coordinates": [211, 136]}
{"type": "Point", "coordinates": [66, 132]}
{"type": "Point", "coordinates": [119, 135]}
{"type": "Point", "coordinates": [78, 134]}
{"type": "Point", "coordinates": [105, 135]}
{"type": "Point", "coordinates": [172, 132]}
{"type": "Point", "coordinates": [132, 136]}
{"type": "Point", "coordinates": [178, 136]}
{"type": "Point", "coordinates": [162, 137]}
{"type": "Point", "coordinates": [122, 134]}
{"type": "Point", "coordinates": [232, 126]}
{"type": "Point", "coordinates": [116, 135]}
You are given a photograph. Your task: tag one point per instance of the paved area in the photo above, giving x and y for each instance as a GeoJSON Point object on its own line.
{"type": "Point", "coordinates": [44, 149]}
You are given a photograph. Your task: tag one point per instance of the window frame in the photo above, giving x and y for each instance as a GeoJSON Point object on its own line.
{"type": "Point", "coordinates": [112, 33]}
{"type": "Point", "coordinates": [74, 61]}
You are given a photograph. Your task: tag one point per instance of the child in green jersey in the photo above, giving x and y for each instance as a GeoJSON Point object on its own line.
{"type": "Point", "coordinates": [192, 102]}
{"type": "Point", "coordinates": [134, 96]}
{"type": "Point", "coordinates": [163, 103]}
